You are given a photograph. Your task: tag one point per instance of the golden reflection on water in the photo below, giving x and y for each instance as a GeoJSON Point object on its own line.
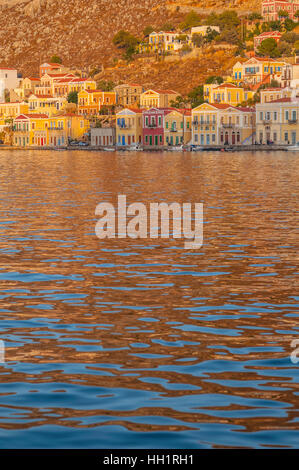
{"type": "Point", "coordinates": [194, 321]}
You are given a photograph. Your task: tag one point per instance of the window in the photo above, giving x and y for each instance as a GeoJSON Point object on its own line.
{"type": "Point", "coordinates": [286, 136]}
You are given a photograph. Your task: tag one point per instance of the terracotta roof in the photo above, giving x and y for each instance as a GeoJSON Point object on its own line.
{"type": "Point", "coordinates": [246, 109]}
{"type": "Point", "coordinates": [282, 100]}
{"type": "Point", "coordinates": [41, 96]}
{"type": "Point", "coordinates": [269, 34]}
{"type": "Point", "coordinates": [7, 68]}
{"type": "Point", "coordinates": [33, 78]}
{"type": "Point", "coordinates": [21, 116]}
{"type": "Point", "coordinates": [227, 85]}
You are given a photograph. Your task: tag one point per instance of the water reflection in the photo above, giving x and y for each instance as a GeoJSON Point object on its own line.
{"type": "Point", "coordinates": [140, 343]}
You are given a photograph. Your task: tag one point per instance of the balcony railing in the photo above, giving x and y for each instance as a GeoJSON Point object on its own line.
{"type": "Point", "coordinates": [292, 121]}
{"type": "Point", "coordinates": [228, 126]}
{"type": "Point", "coordinates": [172, 129]}
{"type": "Point", "coordinates": [204, 123]}
{"type": "Point", "coordinates": [151, 125]}
{"type": "Point", "coordinates": [267, 121]}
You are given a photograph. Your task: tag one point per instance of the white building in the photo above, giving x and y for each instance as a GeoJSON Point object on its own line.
{"type": "Point", "coordinates": [104, 136]}
{"type": "Point", "coordinates": [8, 80]}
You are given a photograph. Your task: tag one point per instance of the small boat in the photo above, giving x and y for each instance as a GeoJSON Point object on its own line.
{"type": "Point", "coordinates": [293, 148]}
{"type": "Point", "coordinates": [134, 147]}
{"type": "Point", "coordinates": [109, 149]}
{"type": "Point", "coordinates": [196, 148]}
{"type": "Point", "coordinates": [175, 148]}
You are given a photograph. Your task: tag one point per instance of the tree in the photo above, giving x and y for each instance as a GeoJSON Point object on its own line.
{"type": "Point", "coordinates": [268, 47]}
{"type": "Point", "coordinates": [178, 103]}
{"type": "Point", "coordinates": [124, 40]}
{"type": "Point", "coordinates": [255, 16]}
{"type": "Point", "coordinates": [284, 49]}
{"type": "Point", "coordinates": [72, 97]}
{"type": "Point", "coordinates": [191, 19]}
{"type": "Point", "coordinates": [147, 31]}
{"type": "Point", "coordinates": [231, 36]}
{"type": "Point", "coordinates": [105, 85]}
{"type": "Point", "coordinates": [283, 14]}
{"type": "Point", "coordinates": [214, 79]}
{"type": "Point", "coordinates": [296, 47]}
{"type": "Point", "coordinates": [196, 96]}
{"type": "Point", "coordinates": [290, 37]}
{"type": "Point", "coordinates": [198, 40]}
{"type": "Point", "coordinates": [296, 14]}
{"type": "Point", "coordinates": [289, 24]}
{"type": "Point", "coordinates": [167, 27]}
{"type": "Point", "coordinates": [55, 59]}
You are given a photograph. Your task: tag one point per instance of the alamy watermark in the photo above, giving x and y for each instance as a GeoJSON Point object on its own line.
{"type": "Point", "coordinates": [145, 223]}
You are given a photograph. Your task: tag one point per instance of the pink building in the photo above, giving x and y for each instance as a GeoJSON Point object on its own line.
{"type": "Point", "coordinates": [153, 126]}
{"type": "Point", "coordinates": [270, 8]}
{"type": "Point", "coordinates": [269, 34]}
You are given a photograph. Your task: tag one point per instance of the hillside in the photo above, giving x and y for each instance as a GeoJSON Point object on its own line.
{"type": "Point", "coordinates": [80, 31]}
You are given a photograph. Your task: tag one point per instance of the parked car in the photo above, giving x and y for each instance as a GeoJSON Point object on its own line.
{"type": "Point", "coordinates": [83, 144]}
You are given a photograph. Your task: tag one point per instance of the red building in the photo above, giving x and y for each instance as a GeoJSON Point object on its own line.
{"type": "Point", "coordinates": [153, 126]}
{"type": "Point", "coordinates": [269, 34]}
{"type": "Point", "coordinates": [270, 8]}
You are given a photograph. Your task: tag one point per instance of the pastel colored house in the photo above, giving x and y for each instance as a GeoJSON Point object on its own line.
{"type": "Point", "coordinates": [277, 121]}
{"type": "Point", "coordinates": [271, 94]}
{"type": "Point", "coordinates": [105, 136]}
{"type": "Point", "coordinates": [202, 30]}
{"type": "Point", "coordinates": [128, 94]}
{"type": "Point", "coordinates": [153, 127]}
{"type": "Point", "coordinates": [128, 127]}
{"type": "Point", "coordinates": [65, 127]}
{"type": "Point", "coordinates": [257, 70]}
{"type": "Point", "coordinates": [26, 87]}
{"type": "Point", "coordinates": [226, 93]}
{"type": "Point", "coordinates": [45, 104]}
{"type": "Point", "coordinates": [30, 130]}
{"type": "Point", "coordinates": [271, 8]}
{"type": "Point", "coordinates": [276, 35]}
{"type": "Point", "coordinates": [90, 102]}
{"type": "Point", "coordinates": [157, 98]}
{"type": "Point", "coordinates": [51, 67]}
{"type": "Point", "coordinates": [178, 128]}
{"type": "Point", "coordinates": [222, 124]}
{"type": "Point", "coordinates": [8, 80]}
{"type": "Point", "coordinates": [12, 110]}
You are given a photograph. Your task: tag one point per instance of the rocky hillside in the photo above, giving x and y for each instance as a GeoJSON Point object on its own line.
{"type": "Point", "coordinates": [80, 31]}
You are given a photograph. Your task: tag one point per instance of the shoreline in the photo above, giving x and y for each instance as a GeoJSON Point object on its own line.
{"type": "Point", "coordinates": [264, 148]}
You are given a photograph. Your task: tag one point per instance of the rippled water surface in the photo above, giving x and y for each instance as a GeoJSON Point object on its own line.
{"type": "Point", "coordinates": [140, 343]}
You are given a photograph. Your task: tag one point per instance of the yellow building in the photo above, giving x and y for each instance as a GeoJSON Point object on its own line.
{"type": "Point", "coordinates": [271, 94]}
{"type": "Point", "coordinates": [12, 110]}
{"type": "Point", "coordinates": [30, 130]}
{"type": "Point", "coordinates": [258, 70]}
{"type": "Point", "coordinates": [226, 93]}
{"type": "Point", "coordinates": [177, 127]}
{"type": "Point", "coordinates": [45, 104]}
{"type": "Point", "coordinates": [39, 130]}
{"type": "Point", "coordinates": [277, 121]}
{"type": "Point", "coordinates": [128, 94]}
{"type": "Point", "coordinates": [90, 102]}
{"type": "Point", "coordinates": [128, 127]}
{"type": "Point", "coordinates": [222, 124]}
{"type": "Point", "coordinates": [65, 127]}
{"type": "Point", "coordinates": [26, 87]}
{"type": "Point", "coordinates": [157, 98]}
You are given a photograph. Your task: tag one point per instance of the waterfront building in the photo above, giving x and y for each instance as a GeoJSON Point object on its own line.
{"type": "Point", "coordinates": [277, 121]}
{"type": "Point", "coordinates": [222, 124]}
{"type": "Point", "coordinates": [65, 127]}
{"type": "Point", "coordinates": [178, 128]}
{"type": "Point", "coordinates": [129, 126]}
{"type": "Point", "coordinates": [104, 136]}
{"type": "Point", "coordinates": [30, 130]}
{"type": "Point", "coordinates": [153, 127]}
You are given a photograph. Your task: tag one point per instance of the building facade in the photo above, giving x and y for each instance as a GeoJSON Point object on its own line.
{"type": "Point", "coordinates": [157, 98]}
{"type": "Point", "coordinates": [271, 9]}
{"type": "Point", "coordinates": [128, 127]}
{"type": "Point", "coordinates": [104, 136]}
{"type": "Point", "coordinates": [277, 122]}
{"type": "Point", "coordinates": [128, 94]}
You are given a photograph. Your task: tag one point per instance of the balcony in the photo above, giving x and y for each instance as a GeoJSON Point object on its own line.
{"type": "Point", "coordinates": [266, 122]}
{"type": "Point", "coordinates": [172, 129]}
{"type": "Point", "coordinates": [124, 126]}
{"type": "Point", "coordinates": [292, 121]}
{"type": "Point", "coordinates": [152, 125]}
{"type": "Point", "coordinates": [56, 128]}
{"type": "Point", "coordinates": [228, 126]}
